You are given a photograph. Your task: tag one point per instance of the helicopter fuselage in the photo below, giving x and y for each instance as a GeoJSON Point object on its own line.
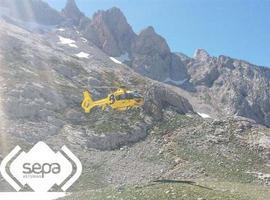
{"type": "Point", "coordinates": [121, 99]}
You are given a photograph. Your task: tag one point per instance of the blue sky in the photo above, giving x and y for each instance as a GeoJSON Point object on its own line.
{"type": "Point", "coordinates": [237, 28]}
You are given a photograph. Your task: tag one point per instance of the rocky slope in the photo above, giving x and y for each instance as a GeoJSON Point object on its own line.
{"type": "Point", "coordinates": [48, 96]}
{"type": "Point", "coordinates": [234, 87]}
{"type": "Point", "coordinates": [164, 150]}
{"type": "Point", "coordinates": [42, 78]}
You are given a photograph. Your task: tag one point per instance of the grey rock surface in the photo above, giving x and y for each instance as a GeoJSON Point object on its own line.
{"type": "Point", "coordinates": [152, 57]}
{"type": "Point", "coordinates": [110, 31]}
{"type": "Point", "coordinates": [159, 98]}
{"type": "Point", "coordinates": [43, 84]}
{"type": "Point", "coordinates": [235, 86]}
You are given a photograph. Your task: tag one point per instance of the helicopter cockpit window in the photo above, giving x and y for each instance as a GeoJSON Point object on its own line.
{"type": "Point", "coordinates": [122, 97]}
{"type": "Point", "coordinates": [128, 95]}
{"type": "Point", "coordinates": [134, 95]}
{"type": "Point", "coordinates": [137, 95]}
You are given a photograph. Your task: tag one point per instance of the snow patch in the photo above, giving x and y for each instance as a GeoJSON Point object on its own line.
{"type": "Point", "coordinates": [82, 55]}
{"type": "Point", "coordinates": [124, 57]}
{"type": "Point", "coordinates": [189, 115]}
{"type": "Point", "coordinates": [115, 60]}
{"type": "Point", "coordinates": [67, 41]}
{"type": "Point", "coordinates": [38, 85]}
{"type": "Point", "coordinates": [61, 29]}
{"type": "Point", "coordinates": [119, 60]}
{"type": "Point", "coordinates": [84, 40]}
{"type": "Point", "coordinates": [203, 115]}
{"type": "Point", "coordinates": [73, 45]}
{"type": "Point", "coordinates": [29, 71]}
{"type": "Point", "coordinates": [180, 82]}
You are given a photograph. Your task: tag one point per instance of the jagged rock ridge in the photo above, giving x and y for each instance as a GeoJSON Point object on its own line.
{"type": "Point", "coordinates": [71, 12]}
{"type": "Point", "coordinates": [110, 31]}
{"type": "Point", "coordinates": [234, 87]}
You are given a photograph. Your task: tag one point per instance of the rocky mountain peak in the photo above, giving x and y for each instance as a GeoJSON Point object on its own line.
{"type": "Point", "coordinates": [201, 55]}
{"type": "Point", "coordinates": [115, 12]}
{"type": "Point", "coordinates": [72, 12]}
{"type": "Point", "coordinates": [110, 16]}
{"type": "Point", "coordinates": [111, 32]}
{"type": "Point", "coordinates": [149, 42]}
{"type": "Point", "coordinates": [153, 58]}
{"type": "Point", "coordinates": [149, 30]}
{"type": "Point", "coordinates": [71, 4]}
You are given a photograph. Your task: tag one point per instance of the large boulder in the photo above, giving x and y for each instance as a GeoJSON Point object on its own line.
{"type": "Point", "coordinates": [159, 97]}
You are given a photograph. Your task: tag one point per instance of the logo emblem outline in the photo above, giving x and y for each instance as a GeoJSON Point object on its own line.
{"type": "Point", "coordinates": [64, 158]}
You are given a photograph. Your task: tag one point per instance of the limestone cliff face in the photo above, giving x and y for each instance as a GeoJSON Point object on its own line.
{"type": "Point", "coordinates": [234, 86]}
{"type": "Point", "coordinates": [152, 57]}
{"type": "Point", "coordinates": [110, 31]}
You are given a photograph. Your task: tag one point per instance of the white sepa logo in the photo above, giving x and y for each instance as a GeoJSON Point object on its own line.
{"type": "Point", "coordinates": [41, 168]}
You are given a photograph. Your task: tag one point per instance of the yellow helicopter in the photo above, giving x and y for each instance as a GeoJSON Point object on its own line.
{"type": "Point", "coordinates": [120, 99]}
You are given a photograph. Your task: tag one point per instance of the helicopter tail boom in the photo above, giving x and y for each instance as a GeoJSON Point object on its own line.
{"type": "Point", "coordinates": [87, 103]}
